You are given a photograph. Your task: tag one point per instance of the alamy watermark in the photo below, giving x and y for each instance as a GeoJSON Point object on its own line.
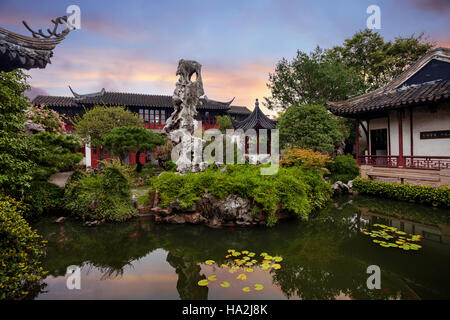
{"type": "Point", "coordinates": [374, 280]}
{"type": "Point", "coordinates": [253, 146]}
{"type": "Point", "coordinates": [73, 274]}
{"type": "Point", "coordinates": [374, 20]}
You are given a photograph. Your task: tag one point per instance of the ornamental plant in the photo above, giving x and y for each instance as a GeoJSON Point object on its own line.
{"type": "Point", "coordinates": [305, 158]}
{"type": "Point", "coordinates": [21, 250]}
{"type": "Point", "coordinates": [50, 120]}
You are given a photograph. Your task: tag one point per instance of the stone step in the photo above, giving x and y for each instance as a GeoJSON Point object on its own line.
{"type": "Point", "coordinates": [424, 177]}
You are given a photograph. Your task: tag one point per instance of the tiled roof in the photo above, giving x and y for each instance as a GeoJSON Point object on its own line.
{"type": "Point", "coordinates": [18, 51]}
{"type": "Point", "coordinates": [122, 99]}
{"type": "Point", "coordinates": [255, 118]}
{"type": "Point", "coordinates": [428, 92]}
{"type": "Point", "coordinates": [393, 95]}
{"type": "Point", "coordinates": [239, 110]}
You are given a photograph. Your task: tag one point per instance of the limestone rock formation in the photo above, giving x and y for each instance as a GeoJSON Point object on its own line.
{"type": "Point", "coordinates": [181, 125]}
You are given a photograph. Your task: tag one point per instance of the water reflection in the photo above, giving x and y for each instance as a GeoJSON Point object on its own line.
{"type": "Point", "coordinates": [325, 258]}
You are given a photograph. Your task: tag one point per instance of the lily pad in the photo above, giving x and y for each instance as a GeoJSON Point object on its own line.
{"type": "Point", "coordinates": [210, 262]}
{"type": "Point", "coordinates": [246, 289]}
{"type": "Point", "coordinates": [258, 287]}
{"type": "Point", "coordinates": [242, 276]}
{"type": "Point", "coordinates": [212, 277]}
{"type": "Point", "coordinates": [225, 284]}
{"type": "Point", "coordinates": [203, 283]}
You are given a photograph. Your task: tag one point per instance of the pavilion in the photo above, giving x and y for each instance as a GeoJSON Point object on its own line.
{"type": "Point", "coordinates": [405, 125]}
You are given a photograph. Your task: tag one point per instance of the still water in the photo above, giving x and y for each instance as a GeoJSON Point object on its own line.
{"type": "Point", "coordinates": [324, 258]}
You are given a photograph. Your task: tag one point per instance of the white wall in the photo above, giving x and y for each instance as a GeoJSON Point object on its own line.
{"type": "Point", "coordinates": [423, 120]}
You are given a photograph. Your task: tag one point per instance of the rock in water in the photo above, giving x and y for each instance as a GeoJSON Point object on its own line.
{"type": "Point", "coordinates": [181, 125]}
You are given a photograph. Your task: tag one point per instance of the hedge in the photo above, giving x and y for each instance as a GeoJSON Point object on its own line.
{"type": "Point", "coordinates": [405, 192]}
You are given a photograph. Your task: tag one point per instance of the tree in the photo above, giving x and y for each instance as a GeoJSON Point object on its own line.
{"type": "Point", "coordinates": [364, 62]}
{"type": "Point", "coordinates": [224, 123]}
{"type": "Point", "coordinates": [101, 120]}
{"type": "Point", "coordinates": [122, 140]}
{"type": "Point", "coordinates": [311, 79]}
{"type": "Point", "coordinates": [311, 126]}
{"type": "Point", "coordinates": [16, 167]}
{"type": "Point", "coordinates": [379, 61]}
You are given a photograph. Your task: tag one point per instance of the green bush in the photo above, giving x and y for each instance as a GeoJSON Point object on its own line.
{"type": "Point", "coordinates": [294, 190]}
{"type": "Point", "coordinates": [105, 195]}
{"type": "Point", "coordinates": [43, 197]}
{"type": "Point", "coordinates": [56, 153]}
{"type": "Point", "coordinates": [21, 252]}
{"type": "Point", "coordinates": [404, 192]}
{"type": "Point", "coordinates": [343, 168]}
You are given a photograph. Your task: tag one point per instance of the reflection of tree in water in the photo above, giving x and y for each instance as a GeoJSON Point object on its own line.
{"type": "Point", "coordinates": [324, 258]}
{"type": "Point", "coordinates": [188, 272]}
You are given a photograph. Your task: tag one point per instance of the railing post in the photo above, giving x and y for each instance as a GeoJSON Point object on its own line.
{"type": "Point", "coordinates": [401, 160]}
{"type": "Point", "coordinates": [357, 142]}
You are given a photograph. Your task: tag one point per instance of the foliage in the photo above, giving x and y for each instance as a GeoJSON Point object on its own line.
{"type": "Point", "coordinates": [56, 153]}
{"type": "Point", "coordinates": [43, 197]}
{"type": "Point", "coordinates": [343, 168]}
{"type": "Point", "coordinates": [305, 158]}
{"type": "Point", "coordinates": [404, 192]}
{"type": "Point", "coordinates": [224, 123]}
{"type": "Point", "coordinates": [49, 119]}
{"type": "Point", "coordinates": [294, 190]}
{"type": "Point", "coordinates": [101, 120]}
{"type": "Point", "coordinates": [122, 140]}
{"type": "Point", "coordinates": [16, 167]}
{"type": "Point", "coordinates": [105, 195]}
{"type": "Point", "coordinates": [312, 127]}
{"type": "Point", "coordinates": [311, 79]}
{"type": "Point", "coordinates": [377, 60]}
{"type": "Point", "coordinates": [21, 252]}
{"type": "Point", "coordinates": [364, 62]}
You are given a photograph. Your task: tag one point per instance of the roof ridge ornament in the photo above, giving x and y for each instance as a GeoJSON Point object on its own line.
{"type": "Point", "coordinates": [78, 96]}
{"type": "Point", "coordinates": [51, 33]}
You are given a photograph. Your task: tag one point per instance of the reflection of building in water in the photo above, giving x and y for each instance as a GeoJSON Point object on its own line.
{"type": "Point", "coordinates": [438, 233]}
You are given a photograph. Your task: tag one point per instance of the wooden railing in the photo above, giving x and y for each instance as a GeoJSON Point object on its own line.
{"type": "Point", "coordinates": [427, 163]}
{"type": "Point", "coordinates": [409, 162]}
{"type": "Point", "coordinates": [379, 161]}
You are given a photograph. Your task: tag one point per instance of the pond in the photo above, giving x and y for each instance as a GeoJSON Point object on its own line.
{"type": "Point", "coordinates": [324, 258]}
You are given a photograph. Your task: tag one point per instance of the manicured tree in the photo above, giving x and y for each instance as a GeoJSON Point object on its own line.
{"type": "Point", "coordinates": [312, 127]}
{"type": "Point", "coordinates": [122, 140]}
{"type": "Point", "coordinates": [101, 120]}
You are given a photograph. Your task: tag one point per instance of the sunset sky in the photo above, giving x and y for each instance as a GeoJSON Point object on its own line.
{"type": "Point", "coordinates": [134, 46]}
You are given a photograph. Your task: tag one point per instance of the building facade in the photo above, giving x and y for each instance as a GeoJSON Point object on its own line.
{"type": "Point", "coordinates": [405, 125]}
{"type": "Point", "coordinates": [154, 110]}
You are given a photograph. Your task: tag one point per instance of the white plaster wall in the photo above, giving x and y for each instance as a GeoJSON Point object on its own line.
{"type": "Point", "coordinates": [87, 149]}
{"type": "Point", "coordinates": [424, 120]}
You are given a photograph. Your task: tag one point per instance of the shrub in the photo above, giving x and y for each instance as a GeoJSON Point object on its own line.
{"type": "Point", "coordinates": [305, 158]}
{"type": "Point", "coordinates": [313, 127]}
{"type": "Point", "coordinates": [21, 252]}
{"type": "Point", "coordinates": [49, 119]}
{"type": "Point", "coordinates": [405, 192]}
{"type": "Point", "coordinates": [343, 168]}
{"type": "Point", "coordinates": [295, 190]}
{"type": "Point", "coordinates": [43, 197]}
{"type": "Point", "coordinates": [105, 195]}
{"type": "Point", "coordinates": [55, 153]}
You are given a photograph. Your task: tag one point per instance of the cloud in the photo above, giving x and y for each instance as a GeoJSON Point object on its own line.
{"type": "Point", "coordinates": [440, 7]}
{"type": "Point", "coordinates": [127, 71]}
{"type": "Point", "coordinates": [33, 92]}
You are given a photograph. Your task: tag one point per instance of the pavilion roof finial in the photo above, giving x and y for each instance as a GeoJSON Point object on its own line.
{"type": "Point", "coordinates": [256, 103]}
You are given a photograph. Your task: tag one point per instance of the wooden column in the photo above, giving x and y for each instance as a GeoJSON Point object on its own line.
{"type": "Point", "coordinates": [357, 141]}
{"type": "Point", "coordinates": [400, 138]}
